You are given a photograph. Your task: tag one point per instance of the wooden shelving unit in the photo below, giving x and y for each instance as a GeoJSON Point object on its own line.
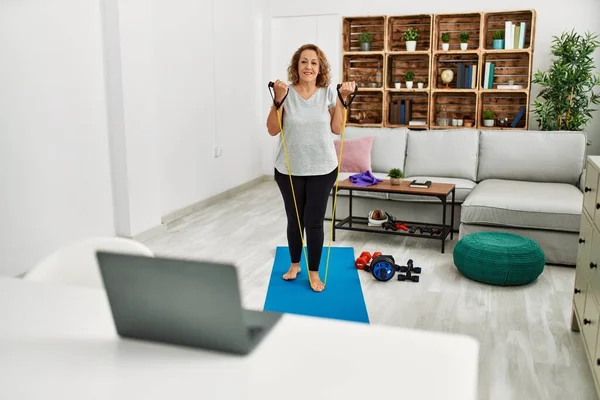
{"type": "Point", "coordinates": [380, 103]}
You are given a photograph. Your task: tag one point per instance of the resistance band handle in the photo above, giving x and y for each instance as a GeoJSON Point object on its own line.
{"type": "Point", "coordinates": [346, 105]}
{"type": "Point", "coordinates": [277, 105]}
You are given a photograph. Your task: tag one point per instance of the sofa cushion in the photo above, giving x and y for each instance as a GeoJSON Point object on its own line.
{"type": "Point", "coordinates": [356, 154]}
{"type": "Point", "coordinates": [361, 193]}
{"type": "Point", "coordinates": [535, 205]}
{"type": "Point", "coordinates": [448, 153]}
{"type": "Point", "coordinates": [537, 156]}
{"type": "Point", "coordinates": [389, 146]}
{"type": "Point", "coordinates": [462, 190]}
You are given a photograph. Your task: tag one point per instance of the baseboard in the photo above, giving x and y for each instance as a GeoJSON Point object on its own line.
{"type": "Point", "coordinates": [175, 215]}
{"type": "Point", "coordinates": [150, 233]}
{"type": "Point", "coordinates": [172, 217]}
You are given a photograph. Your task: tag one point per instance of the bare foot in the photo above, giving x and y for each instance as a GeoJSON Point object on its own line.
{"type": "Point", "coordinates": [292, 272]}
{"type": "Point", "coordinates": [315, 281]}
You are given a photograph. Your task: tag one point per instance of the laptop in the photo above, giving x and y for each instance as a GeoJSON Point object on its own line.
{"type": "Point", "coordinates": [181, 302]}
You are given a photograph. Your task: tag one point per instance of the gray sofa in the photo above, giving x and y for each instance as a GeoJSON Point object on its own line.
{"type": "Point", "coordinates": [526, 182]}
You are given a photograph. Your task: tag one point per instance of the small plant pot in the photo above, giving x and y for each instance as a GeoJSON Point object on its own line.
{"type": "Point", "coordinates": [488, 122]}
{"type": "Point", "coordinates": [411, 45]}
{"type": "Point", "coordinates": [498, 44]}
{"type": "Point", "coordinates": [409, 84]}
{"type": "Point", "coordinates": [420, 85]}
{"type": "Point", "coordinates": [445, 46]}
{"type": "Point", "coordinates": [365, 46]}
{"type": "Point", "coordinates": [397, 85]}
{"type": "Point", "coordinates": [395, 181]}
{"type": "Point", "coordinates": [464, 46]}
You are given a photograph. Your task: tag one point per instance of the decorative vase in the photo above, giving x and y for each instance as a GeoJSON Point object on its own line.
{"type": "Point", "coordinates": [411, 45]}
{"type": "Point", "coordinates": [464, 46]}
{"type": "Point", "coordinates": [420, 85]}
{"type": "Point", "coordinates": [498, 44]}
{"type": "Point", "coordinates": [397, 85]}
{"type": "Point", "coordinates": [445, 46]}
{"type": "Point", "coordinates": [488, 122]}
{"type": "Point", "coordinates": [395, 181]}
{"type": "Point", "coordinates": [365, 46]}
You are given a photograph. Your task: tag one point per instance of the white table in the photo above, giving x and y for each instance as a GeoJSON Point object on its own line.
{"type": "Point", "coordinates": [59, 342]}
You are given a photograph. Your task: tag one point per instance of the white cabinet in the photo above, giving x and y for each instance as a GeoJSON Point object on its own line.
{"type": "Point", "coordinates": [586, 297]}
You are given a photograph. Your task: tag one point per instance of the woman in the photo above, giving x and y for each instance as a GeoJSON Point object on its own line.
{"type": "Point", "coordinates": [310, 113]}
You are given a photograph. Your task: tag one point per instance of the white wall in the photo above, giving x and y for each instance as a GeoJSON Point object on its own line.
{"type": "Point", "coordinates": [185, 79]}
{"type": "Point", "coordinates": [581, 15]}
{"type": "Point", "coordinates": [55, 171]}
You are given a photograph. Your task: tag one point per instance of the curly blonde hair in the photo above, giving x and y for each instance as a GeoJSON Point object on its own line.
{"type": "Point", "coordinates": [324, 77]}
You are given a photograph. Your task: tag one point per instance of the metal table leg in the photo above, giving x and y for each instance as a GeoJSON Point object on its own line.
{"type": "Point", "coordinates": [452, 215]}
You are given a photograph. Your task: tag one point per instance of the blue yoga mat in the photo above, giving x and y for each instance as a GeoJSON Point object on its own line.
{"type": "Point", "coordinates": [342, 298]}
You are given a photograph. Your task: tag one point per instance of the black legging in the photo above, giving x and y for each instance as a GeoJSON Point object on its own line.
{"type": "Point", "coordinates": [312, 193]}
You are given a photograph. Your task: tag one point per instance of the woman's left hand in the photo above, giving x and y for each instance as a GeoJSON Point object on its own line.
{"type": "Point", "coordinates": [347, 88]}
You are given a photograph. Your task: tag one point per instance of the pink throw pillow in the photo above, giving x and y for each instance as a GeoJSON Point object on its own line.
{"type": "Point", "coordinates": [356, 154]}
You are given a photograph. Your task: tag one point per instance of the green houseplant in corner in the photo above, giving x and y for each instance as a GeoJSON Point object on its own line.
{"type": "Point", "coordinates": [395, 175]}
{"type": "Point", "coordinates": [365, 39]}
{"type": "Point", "coordinates": [567, 95]}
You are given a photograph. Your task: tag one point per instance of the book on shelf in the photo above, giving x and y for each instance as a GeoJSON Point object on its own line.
{"type": "Point", "coordinates": [488, 77]}
{"type": "Point", "coordinates": [509, 87]}
{"type": "Point", "coordinates": [466, 76]}
{"type": "Point", "coordinates": [420, 184]}
{"type": "Point", "coordinates": [514, 35]}
{"type": "Point", "coordinates": [400, 112]}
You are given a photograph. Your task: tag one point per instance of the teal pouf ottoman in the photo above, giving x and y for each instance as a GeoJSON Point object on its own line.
{"type": "Point", "coordinates": [499, 258]}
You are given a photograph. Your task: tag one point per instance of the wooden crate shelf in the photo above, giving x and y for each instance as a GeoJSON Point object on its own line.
{"type": "Point", "coordinates": [399, 64]}
{"type": "Point", "coordinates": [416, 107]}
{"type": "Point", "coordinates": [387, 61]}
{"type": "Point", "coordinates": [456, 105]}
{"type": "Point", "coordinates": [354, 26]}
{"type": "Point", "coordinates": [366, 70]}
{"type": "Point", "coordinates": [496, 21]}
{"type": "Point", "coordinates": [397, 25]}
{"type": "Point", "coordinates": [464, 63]}
{"type": "Point", "coordinates": [366, 108]}
{"type": "Point", "coordinates": [506, 65]}
{"type": "Point", "coordinates": [455, 24]}
{"type": "Point", "coordinates": [505, 104]}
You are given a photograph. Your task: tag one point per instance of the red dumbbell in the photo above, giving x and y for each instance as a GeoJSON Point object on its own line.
{"type": "Point", "coordinates": [363, 260]}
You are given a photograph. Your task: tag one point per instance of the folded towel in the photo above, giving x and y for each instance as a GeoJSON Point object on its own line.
{"type": "Point", "coordinates": [364, 179]}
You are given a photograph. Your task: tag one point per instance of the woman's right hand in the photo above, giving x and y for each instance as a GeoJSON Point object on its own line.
{"type": "Point", "coordinates": [281, 89]}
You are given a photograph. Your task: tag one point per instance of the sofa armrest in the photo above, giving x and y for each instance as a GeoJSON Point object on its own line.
{"type": "Point", "coordinates": [582, 181]}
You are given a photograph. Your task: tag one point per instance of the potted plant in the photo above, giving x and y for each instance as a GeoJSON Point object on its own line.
{"type": "Point", "coordinates": [566, 98]}
{"type": "Point", "coordinates": [397, 84]}
{"type": "Point", "coordinates": [365, 39]}
{"type": "Point", "coordinates": [498, 43]}
{"type": "Point", "coordinates": [464, 40]}
{"type": "Point", "coordinates": [410, 37]}
{"type": "Point", "coordinates": [420, 84]}
{"type": "Point", "coordinates": [395, 175]}
{"type": "Point", "coordinates": [409, 79]}
{"type": "Point", "coordinates": [488, 118]}
{"type": "Point", "coordinates": [445, 41]}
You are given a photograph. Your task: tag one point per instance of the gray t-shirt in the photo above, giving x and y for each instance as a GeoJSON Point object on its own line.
{"type": "Point", "coordinates": [307, 134]}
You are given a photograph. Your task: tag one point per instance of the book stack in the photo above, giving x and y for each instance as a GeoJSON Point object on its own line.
{"type": "Point", "coordinates": [514, 35]}
{"type": "Point", "coordinates": [400, 111]}
{"type": "Point", "coordinates": [466, 76]}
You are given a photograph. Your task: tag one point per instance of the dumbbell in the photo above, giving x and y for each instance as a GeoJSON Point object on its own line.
{"type": "Point", "coordinates": [363, 260]}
